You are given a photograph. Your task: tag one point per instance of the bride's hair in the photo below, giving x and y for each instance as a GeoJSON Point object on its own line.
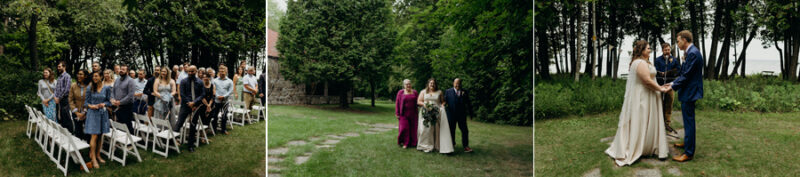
{"type": "Point", "coordinates": [428, 87]}
{"type": "Point", "coordinates": [638, 50]}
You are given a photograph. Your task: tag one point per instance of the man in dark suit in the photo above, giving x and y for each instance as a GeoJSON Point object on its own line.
{"type": "Point", "coordinates": [668, 68]}
{"type": "Point", "coordinates": [690, 89]}
{"type": "Point", "coordinates": [191, 94]}
{"type": "Point", "coordinates": [458, 108]}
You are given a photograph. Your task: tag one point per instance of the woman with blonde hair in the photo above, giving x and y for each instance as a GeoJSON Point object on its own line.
{"type": "Point", "coordinates": [640, 130]}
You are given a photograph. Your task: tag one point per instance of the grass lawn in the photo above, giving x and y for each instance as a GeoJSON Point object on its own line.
{"type": "Point", "coordinates": [728, 144]}
{"type": "Point", "coordinates": [499, 150]}
{"type": "Point", "coordinates": [239, 154]}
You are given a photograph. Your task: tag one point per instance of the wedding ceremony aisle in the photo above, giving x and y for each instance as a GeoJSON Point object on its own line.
{"type": "Point", "coordinates": [324, 140]}
{"type": "Point", "coordinates": [729, 144]}
{"type": "Point", "coordinates": [239, 154]}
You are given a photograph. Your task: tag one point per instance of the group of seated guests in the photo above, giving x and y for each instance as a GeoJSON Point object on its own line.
{"type": "Point", "coordinates": [86, 106]}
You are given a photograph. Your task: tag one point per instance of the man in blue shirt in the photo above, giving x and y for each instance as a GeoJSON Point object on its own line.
{"type": "Point", "coordinates": [191, 95]}
{"type": "Point", "coordinates": [668, 68]}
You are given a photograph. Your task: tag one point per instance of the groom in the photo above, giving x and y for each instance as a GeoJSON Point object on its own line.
{"type": "Point", "coordinates": [458, 107]}
{"type": "Point", "coordinates": [690, 89]}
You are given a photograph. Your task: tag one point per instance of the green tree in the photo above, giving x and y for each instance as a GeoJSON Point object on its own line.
{"type": "Point", "coordinates": [335, 40]}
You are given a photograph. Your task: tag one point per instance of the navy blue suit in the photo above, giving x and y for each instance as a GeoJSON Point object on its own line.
{"type": "Point", "coordinates": [186, 97]}
{"type": "Point", "coordinates": [690, 89]}
{"type": "Point", "coordinates": [458, 107]}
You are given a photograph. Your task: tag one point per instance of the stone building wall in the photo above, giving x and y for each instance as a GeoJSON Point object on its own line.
{"type": "Point", "coordinates": [282, 91]}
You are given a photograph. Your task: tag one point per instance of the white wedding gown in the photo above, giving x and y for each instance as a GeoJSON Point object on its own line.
{"type": "Point", "coordinates": [436, 136]}
{"type": "Point", "coordinates": [640, 130]}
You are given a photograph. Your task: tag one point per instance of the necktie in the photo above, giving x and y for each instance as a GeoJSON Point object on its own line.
{"type": "Point", "coordinates": [192, 88]}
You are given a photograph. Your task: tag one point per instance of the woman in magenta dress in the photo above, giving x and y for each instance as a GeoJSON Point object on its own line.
{"type": "Point", "coordinates": [406, 112]}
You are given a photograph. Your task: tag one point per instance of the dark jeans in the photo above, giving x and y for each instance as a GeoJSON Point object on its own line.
{"type": "Point", "coordinates": [461, 121]}
{"type": "Point", "coordinates": [125, 115]}
{"type": "Point", "coordinates": [185, 112]}
{"type": "Point", "coordinates": [62, 115]}
{"type": "Point", "coordinates": [215, 113]}
{"type": "Point", "coordinates": [79, 128]}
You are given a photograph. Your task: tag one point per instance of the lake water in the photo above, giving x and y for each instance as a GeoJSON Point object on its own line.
{"type": "Point", "coordinates": [754, 66]}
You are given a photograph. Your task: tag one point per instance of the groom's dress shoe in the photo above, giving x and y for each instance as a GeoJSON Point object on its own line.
{"type": "Point", "coordinates": [679, 145]}
{"type": "Point", "coordinates": [682, 158]}
{"type": "Point", "coordinates": [467, 149]}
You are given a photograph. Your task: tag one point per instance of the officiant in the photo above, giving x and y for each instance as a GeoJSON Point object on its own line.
{"type": "Point", "coordinates": [668, 68]}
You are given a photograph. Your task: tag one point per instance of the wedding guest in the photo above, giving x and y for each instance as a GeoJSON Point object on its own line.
{"type": "Point", "coordinates": [148, 91]}
{"type": "Point", "coordinates": [250, 87]}
{"type": "Point", "coordinates": [95, 68]}
{"type": "Point", "coordinates": [108, 80]}
{"type": "Point", "coordinates": [165, 90]}
{"type": "Point", "coordinates": [61, 96]}
{"type": "Point", "coordinates": [132, 73]}
{"type": "Point", "coordinates": [238, 80]}
{"type": "Point", "coordinates": [224, 88]}
{"type": "Point", "coordinates": [140, 99]}
{"type": "Point", "coordinates": [668, 68]}
{"type": "Point", "coordinates": [175, 72]}
{"type": "Point", "coordinates": [208, 101]}
{"type": "Point", "coordinates": [405, 110]}
{"type": "Point", "coordinates": [458, 108]}
{"type": "Point", "coordinates": [97, 98]}
{"type": "Point", "coordinates": [122, 98]}
{"type": "Point", "coordinates": [46, 92]}
{"type": "Point", "coordinates": [116, 72]}
{"type": "Point", "coordinates": [262, 87]}
{"type": "Point", "coordinates": [191, 93]}
{"type": "Point", "coordinates": [77, 97]}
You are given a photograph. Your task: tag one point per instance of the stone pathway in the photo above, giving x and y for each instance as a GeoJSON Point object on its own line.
{"type": "Point", "coordinates": [277, 155]}
{"type": "Point", "coordinates": [677, 119]}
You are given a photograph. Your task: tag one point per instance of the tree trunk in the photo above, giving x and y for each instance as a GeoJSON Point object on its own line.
{"type": "Point", "coordinates": [372, 88]}
{"type": "Point", "coordinates": [32, 40]}
{"type": "Point", "coordinates": [343, 100]}
{"type": "Point", "coordinates": [743, 54]}
{"type": "Point", "coordinates": [714, 39]}
{"type": "Point", "coordinates": [578, 41]}
{"type": "Point", "coordinates": [543, 56]}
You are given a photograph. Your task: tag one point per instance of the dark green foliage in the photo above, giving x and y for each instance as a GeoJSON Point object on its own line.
{"type": "Point", "coordinates": [562, 96]}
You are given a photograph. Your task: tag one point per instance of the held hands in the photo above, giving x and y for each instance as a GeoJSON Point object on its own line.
{"type": "Point", "coordinates": [666, 87]}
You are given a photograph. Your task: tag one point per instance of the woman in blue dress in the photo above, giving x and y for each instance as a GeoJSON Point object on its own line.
{"type": "Point", "coordinates": [97, 98]}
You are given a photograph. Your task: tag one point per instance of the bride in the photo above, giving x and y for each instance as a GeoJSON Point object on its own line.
{"type": "Point", "coordinates": [640, 130]}
{"type": "Point", "coordinates": [436, 136]}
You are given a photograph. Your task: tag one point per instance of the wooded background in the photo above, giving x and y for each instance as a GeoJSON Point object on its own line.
{"type": "Point", "coordinates": [565, 30]}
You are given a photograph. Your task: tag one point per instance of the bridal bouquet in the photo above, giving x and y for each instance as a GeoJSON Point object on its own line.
{"type": "Point", "coordinates": [429, 114]}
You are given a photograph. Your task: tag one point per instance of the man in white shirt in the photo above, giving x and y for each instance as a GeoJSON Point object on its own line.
{"type": "Point", "coordinates": [224, 88]}
{"type": "Point", "coordinates": [250, 82]}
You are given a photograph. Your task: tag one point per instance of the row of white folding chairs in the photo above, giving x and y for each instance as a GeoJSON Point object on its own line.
{"type": "Point", "coordinates": [160, 129]}
{"type": "Point", "coordinates": [120, 138]}
{"type": "Point", "coordinates": [53, 138]}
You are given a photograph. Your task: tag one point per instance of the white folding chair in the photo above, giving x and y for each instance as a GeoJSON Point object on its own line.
{"type": "Point", "coordinates": [165, 133]}
{"type": "Point", "coordinates": [70, 146]}
{"type": "Point", "coordinates": [201, 129]}
{"type": "Point", "coordinates": [239, 108]}
{"type": "Point", "coordinates": [123, 139]}
{"type": "Point", "coordinates": [225, 111]}
{"type": "Point", "coordinates": [261, 109]}
{"type": "Point", "coordinates": [33, 121]}
{"type": "Point", "coordinates": [144, 128]}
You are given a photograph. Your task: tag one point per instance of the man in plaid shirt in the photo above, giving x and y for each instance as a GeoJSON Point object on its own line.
{"type": "Point", "coordinates": [61, 93]}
